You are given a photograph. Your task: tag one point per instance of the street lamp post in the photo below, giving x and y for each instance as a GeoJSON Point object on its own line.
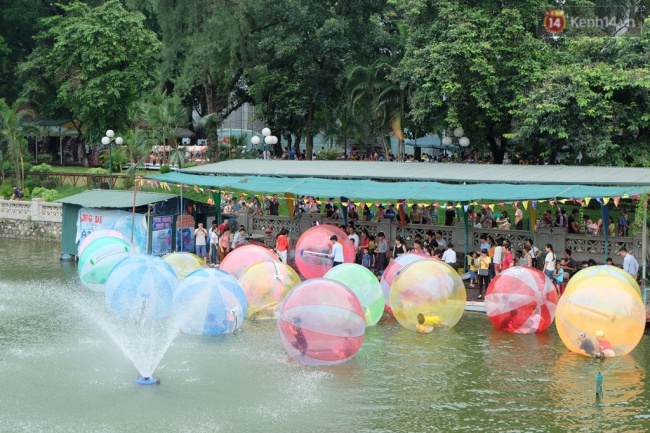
{"type": "Point", "coordinates": [463, 141]}
{"type": "Point", "coordinates": [108, 141]}
{"type": "Point", "coordinates": [269, 140]}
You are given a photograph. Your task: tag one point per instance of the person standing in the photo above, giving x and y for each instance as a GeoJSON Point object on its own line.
{"type": "Point", "coordinates": [450, 215]}
{"type": "Point", "coordinates": [498, 256]}
{"type": "Point", "coordinates": [200, 235]}
{"type": "Point", "coordinates": [214, 241]}
{"type": "Point", "coordinates": [240, 238]}
{"type": "Point", "coordinates": [630, 265]}
{"type": "Point", "coordinates": [336, 254]}
{"type": "Point", "coordinates": [623, 224]}
{"type": "Point", "coordinates": [549, 261]}
{"type": "Point", "coordinates": [508, 260]}
{"type": "Point", "coordinates": [483, 272]}
{"type": "Point", "coordinates": [449, 256]}
{"type": "Point", "coordinates": [282, 245]}
{"type": "Point", "coordinates": [224, 243]}
{"type": "Point", "coordinates": [381, 252]}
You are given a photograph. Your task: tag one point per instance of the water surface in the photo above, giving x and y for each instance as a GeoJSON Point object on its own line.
{"type": "Point", "coordinates": [59, 372]}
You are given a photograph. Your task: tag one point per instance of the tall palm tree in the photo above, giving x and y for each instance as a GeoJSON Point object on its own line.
{"type": "Point", "coordinates": [159, 116]}
{"type": "Point", "coordinates": [13, 134]}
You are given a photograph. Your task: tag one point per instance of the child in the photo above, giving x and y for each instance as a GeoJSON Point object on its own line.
{"type": "Point", "coordinates": [558, 275]}
{"type": "Point", "coordinates": [367, 259]}
{"type": "Point", "coordinates": [472, 269]}
{"type": "Point", "coordinates": [372, 244]}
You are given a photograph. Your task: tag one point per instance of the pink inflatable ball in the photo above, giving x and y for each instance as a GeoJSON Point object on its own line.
{"type": "Point", "coordinates": [600, 311]}
{"type": "Point", "coordinates": [521, 300]}
{"type": "Point", "coordinates": [96, 235]}
{"type": "Point", "coordinates": [363, 283]}
{"type": "Point", "coordinates": [427, 294]}
{"type": "Point", "coordinates": [393, 268]}
{"type": "Point", "coordinates": [321, 322]}
{"type": "Point", "coordinates": [314, 246]}
{"type": "Point", "coordinates": [266, 284]}
{"type": "Point", "coordinates": [242, 257]}
{"type": "Point", "coordinates": [184, 263]}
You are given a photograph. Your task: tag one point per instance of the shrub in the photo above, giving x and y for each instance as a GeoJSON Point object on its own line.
{"type": "Point", "coordinates": [44, 193]}
{"type": "Point", "coordinates": [42, 168]}
{"type": "Point", "coordinates": [97, 170]}
{"type": "Point", "coordinates": [165, 169]}
{"type": "Point", "coordinates": [6, 190]}
{"type": "Point", "coordinates": [190, 164]}
{"type": "Point", "coordinates": [49, 184]}
{"type": "Point", "coordinates": [45, 158]}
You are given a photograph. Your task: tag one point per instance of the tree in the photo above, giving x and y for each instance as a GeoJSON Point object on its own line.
{"type": "Point", "coordinates": [467, 63]}
{"type": "Point", "coordinates": [91, 63]}
{"type": "Point", "coordinates": [594, 101]}
{"type": "Point", "coordinates": [13, 134]}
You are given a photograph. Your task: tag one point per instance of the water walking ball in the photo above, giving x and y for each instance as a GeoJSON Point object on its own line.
{"type": "Point", "coordinates": [605, 270]}
{"type": "Point", "coordinates": [313, 248]}
{"type": "Point", "coordinates": [393, 268]}
{"type": "Point", "coordinates": [209, 301]}
{"type": "Point", "coordinates": [521, 300]}
{"type": "Point", "coordinates": [184, 263]}
{"type": "Point", "coordinates": [97, 234]}
{"type": "Point", "coordinates": [427, 294]}
{"type": "Point", "coordinates": [242, 257]}
{"type": "Point", "coordinates": [321, 322]}
{"type": "Point", "coordinates": [363, 283]}
{"type": "Point", "coordinates": [601, 315]}
{"type": "Point", "coordinates": [266, 284]}
{"type": "Point", "coordinates": [141, 288]}
{"type": "Point", "coordinates": [98, 260]}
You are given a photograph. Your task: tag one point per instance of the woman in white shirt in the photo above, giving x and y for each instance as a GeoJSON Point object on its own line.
{"type": "Point", "coordinates": [549, 261]}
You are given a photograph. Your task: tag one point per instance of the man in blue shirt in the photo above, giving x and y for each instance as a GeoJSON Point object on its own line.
{"type": "Point", "coordinates": [390, 212]}
{"type": "Point", "coordinates": [630, 265]}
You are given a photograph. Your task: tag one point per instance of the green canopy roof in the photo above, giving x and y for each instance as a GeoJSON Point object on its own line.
{"type": "Point", "coordinates": [417, 191]}
{"type": "Point", "coordinates": [114, 199]}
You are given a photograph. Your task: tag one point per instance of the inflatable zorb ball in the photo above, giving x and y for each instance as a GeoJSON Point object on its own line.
{"type": "Point", "coordinates": [601, 313]}
{"type": "Point", "coordinates": [521, 300]}
{"type": "Point", "coordinates": [393, 268]}
{"type": "Point", "coordinates": [266, 284]}
{"type": "Point", "coordinates": [208, 302]}
{"type": "Point", "coordinates": [364, 285]}
{"type": "Point", "coordinates": [321, 322]}
{"type": "Point", "coordinates": [313, 248]}
{"type": "Point", "coordinates": [427, 294]}
{"type": "Point", "coordinates": [98, 234]}
{"type": "Point", "coordinates": [99, 258]}
{"type": "Point", "coordinates": [242, 257]}
{"type": "Point", "coordinates": [184, 263]}
{"type": "Point", "coordinates": [606, 270]}
{"type": "Point", "coordinates": [141, 288]}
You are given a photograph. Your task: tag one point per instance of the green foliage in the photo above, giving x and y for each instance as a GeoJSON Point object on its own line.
{"type": "Point", "coordinates": [42, 168]}
{"type": "Point", "coordinates": [165, 169]}
{"type": "Point", "coordinates": [91, 63]}
{"type": "Point", "coordinates": [97, 170]}
{"type": "Point", "coordinates": [45, 158]}
{"type": "Point", "coordinates": [47, 194]}
{"type": "Point", "coordinates": [328, 154]}
{"type": "Point", "coordinates": [13, 131]}
{"type": "Point", "coordinates": [6, 191]}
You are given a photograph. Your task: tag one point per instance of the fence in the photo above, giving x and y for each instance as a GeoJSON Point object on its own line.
{"type": "Point", "coordinates": [37, 210]}
{"type": "Point", "coordinates": [583, 247]}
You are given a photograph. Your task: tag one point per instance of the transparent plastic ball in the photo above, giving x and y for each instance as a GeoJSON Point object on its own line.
{"type": "Point", "coordinates": [184, 263]}
{"type": "Point", "coordinates": [99, 258]}
{"type": "Point", "coordinates": [321, 322]}
{"type": "Point", "coordinates": [209, 301]}
{"type": "Point", "coordinates": [364, 285]}
{"type": "Point", "coordinates": [522, 300]}
{"type": "Point", "coordinates": [393, 268]}
{"type": "Point", "coordinates": [141, 288]}
{"type": "Point", "coordinates": [427, 294]}
{"type": "Point", "coordinates": [605, 270]}
{"type": "Point", "coordinates": [600, 314]}
{"type": "Point", "coordinates": [314, 246]}
{"type": "Point", "coordinates": [240, 258]}
{"type": "Point", "coordinates": [266, 284]}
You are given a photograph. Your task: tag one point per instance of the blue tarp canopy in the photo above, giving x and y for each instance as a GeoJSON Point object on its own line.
{"type": "Point", "coordinates": [427, 141]}
{"type": "Point", "coordinates": [417, 191]}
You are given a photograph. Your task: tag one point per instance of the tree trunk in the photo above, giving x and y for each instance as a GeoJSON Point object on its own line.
{"type": "Point", "coordinates": [417, 153]}
{"type": "Point", "coordinates": [401, 150]}
{"type": "Point", "coordinates": [497, 148]}
{"type": "Point", "coordinates": [310, 137]}
{"type": "Point", "coordinates": [297, 146]}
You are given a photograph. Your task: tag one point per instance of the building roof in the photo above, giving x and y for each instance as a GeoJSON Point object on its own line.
{"type": "Point", "coordinates": [435, 172]}
{"type": "Point", "coordinates": [378, 190]}
{"type": "Point", "coordinates": [114, 199]}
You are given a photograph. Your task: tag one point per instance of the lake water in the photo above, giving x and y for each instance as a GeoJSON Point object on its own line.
{"type": "Point", "coordinates": [59, 372]}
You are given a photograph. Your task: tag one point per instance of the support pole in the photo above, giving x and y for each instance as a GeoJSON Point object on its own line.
{"type": "Point", "coordinates": [604, 214]}
{"type": "Point", "coordinates": [644, 247]}
{"type": "Point", "coordinates": [466, 225]}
